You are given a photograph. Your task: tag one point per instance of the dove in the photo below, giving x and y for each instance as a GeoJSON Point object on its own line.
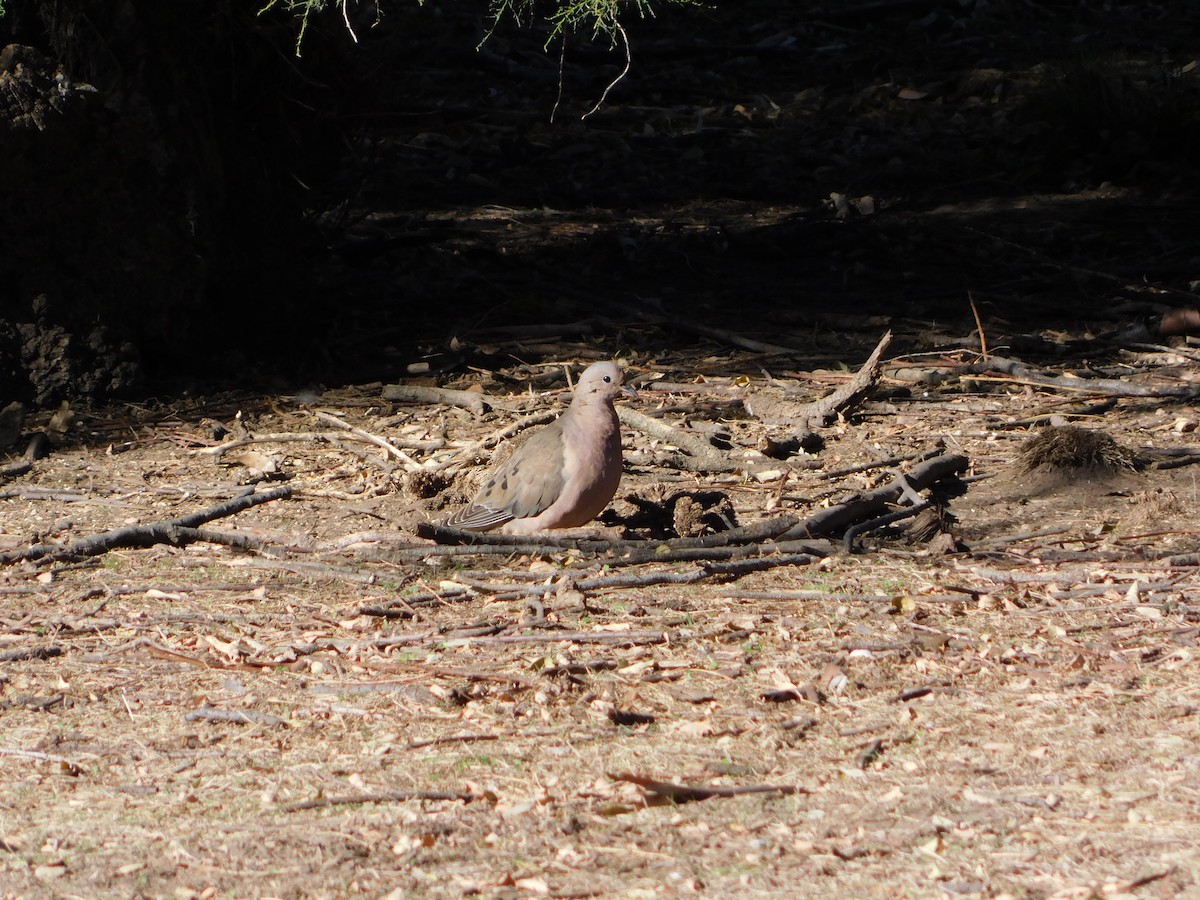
{"type": "Point", "coordinates": [565, 474]}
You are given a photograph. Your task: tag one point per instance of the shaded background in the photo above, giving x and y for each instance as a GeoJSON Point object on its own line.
{"type": "Point", "coordinates": [222, 213]}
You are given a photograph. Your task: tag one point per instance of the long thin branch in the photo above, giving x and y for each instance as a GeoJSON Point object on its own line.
{"type": "Point", "coordinates": [407, 461]}
{"type": "Point", "coordinates": [172, 531]}
{"type": "Point", "coordinates": [685, 793]}
{"type": "Point", "coordinates": [612, 84]}
{"type": "Point", "coordinates": [377, 797]}
{"type": "Point", "coordinates": [1108, 386]}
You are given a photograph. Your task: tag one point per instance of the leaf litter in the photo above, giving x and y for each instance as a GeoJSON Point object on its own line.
{"type": "Point", "coordinates": [1004, 705]}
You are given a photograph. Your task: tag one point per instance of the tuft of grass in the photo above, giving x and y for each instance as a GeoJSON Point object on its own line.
{"type": "Point", "coordinates": [563, 16]}
{"type": "Point", "coordinates": [598, 16]}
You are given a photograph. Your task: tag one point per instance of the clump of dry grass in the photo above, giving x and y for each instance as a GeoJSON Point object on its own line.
{"type": "Point", "coordinates": [1073, 452]}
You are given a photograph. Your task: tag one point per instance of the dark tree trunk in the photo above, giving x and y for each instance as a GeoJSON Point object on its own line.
{"type": "Point", "coordinates": [151, 161]}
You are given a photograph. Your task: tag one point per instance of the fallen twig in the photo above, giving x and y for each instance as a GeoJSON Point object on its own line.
{"type": "Point", "coordinates": [239, 716]}
{"type": "Point", "coordinates": [71, 765]}
{"type": "Point", "coordinates": [1110, 386]}
{"type": "Point", "coordinates": [376, 797]}
{"type": "Point", "coordinates": [702, 456]}
{"type": "Point", "coordinates": [172, 531]}
{"type": "Point", "coordinates": [453, 739]}
{"type": "Point", "coordinates": [682, 793]}
{"type": "Point", "coordinates": [287, 437]}
{"type": "Point", "coordinates": [472, 401]}
{"type": "Point", "coordinates": [407, 461]}
{"type": "Point", "coordinates": [823, 411]}
{"type": "Point", "coordinates": [617, 638]}
{"type": "Point", "coordinates": [32, 653]}
{"type": "Point", "coordinates": [872, 504]}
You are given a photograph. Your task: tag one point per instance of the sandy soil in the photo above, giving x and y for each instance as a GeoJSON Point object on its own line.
{"type": "Point", "coordinates": [1006, 709]}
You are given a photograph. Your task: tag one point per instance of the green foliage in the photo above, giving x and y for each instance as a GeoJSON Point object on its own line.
{"type": "Point", "coordinates": [302, 10]}
{"type": "Point", "coordinates": [600, 16]}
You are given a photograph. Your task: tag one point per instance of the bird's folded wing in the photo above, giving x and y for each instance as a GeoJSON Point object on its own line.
{"type": "Point", "coordinates": [525, 486]}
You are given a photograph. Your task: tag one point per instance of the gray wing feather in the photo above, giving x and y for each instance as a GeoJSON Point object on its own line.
{"type": "Point", "coordinates": [526, 484]}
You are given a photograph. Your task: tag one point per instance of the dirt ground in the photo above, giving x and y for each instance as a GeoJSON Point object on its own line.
{"type": "Point", "coordinates": [337, 707]}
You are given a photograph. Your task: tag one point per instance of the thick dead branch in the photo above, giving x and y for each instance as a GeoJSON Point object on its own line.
{"type": "Point", "coordinates": [874, 504]}
{"type": "Point", "coordinates": [822, 412]}
{"type": "Point", "coordinates": [475, 403]}
{"type": "Point", "coordinates": [39, 447]}
{"type": "Point", "coordinates": [701, 455]}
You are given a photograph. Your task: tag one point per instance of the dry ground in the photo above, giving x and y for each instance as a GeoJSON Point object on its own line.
{"type": "Point", "coordinates": [1016, 717]}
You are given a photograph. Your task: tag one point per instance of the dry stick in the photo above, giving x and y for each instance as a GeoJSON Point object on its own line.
{"type": "Point", "coordinates": [168, 532]}
{"type": "Point", "coordinates": [476, 403]}
{"type": "Point", "coordinates": [39, 447]}
{"type": "Point", "coordinates": [767, 528]}
{"type": "Point", "coordinates": [978, 325]}
{"type": "Point", "coordinates": [410, 464]}
{"type": "Point", "coordinates": [376, 797]}
{"type": "Point", "coordinates": [453, 739]}
{"type": "Point", "coordinates": [711, 569]}
{"type": "Point", "coordinates": [830, 474]}
{"type": "Point", "coordinates": [65, 495]}
{"type": "Point", "coordinates": [682, 793]}
{"type": "Point", "coordinates": [1167, 458]}
{"type": "Point", "coordinates": [38, 755]}
{"type": "Point", "coordinates": [286, 437]}
{"type": "Point", "coordinates": [1111, 386]}
{"type": "Point", "coordinates": [1163, 348]}
{"type": "Point", "coordinates": [702, 456]}
{"type": "Point", "coordinates": [822, 412]}
{"type": "Point", "coordinates": [837, 519]}
{"type": "Point", "coordinates": [34, 653]}
{"type": "Point", "coordinates": [617, 638]}
{"type": "Point", "coordinates": [240, 716]}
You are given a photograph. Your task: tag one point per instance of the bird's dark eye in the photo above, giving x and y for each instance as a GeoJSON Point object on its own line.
{"type": "Point", "coordinates": [608, 379]}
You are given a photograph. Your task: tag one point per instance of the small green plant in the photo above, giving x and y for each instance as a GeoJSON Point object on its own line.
{"type": "Point", "coordinates": [600, 16]}
{"type": "Point", "coordinates": [563, 16]}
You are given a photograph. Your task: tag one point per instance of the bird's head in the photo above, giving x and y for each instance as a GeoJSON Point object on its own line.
{"type": "Point", "coordinates": [602, 381]}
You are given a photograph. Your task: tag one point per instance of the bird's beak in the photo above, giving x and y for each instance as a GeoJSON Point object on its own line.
{"type": "Point", "coordinates": [628, 391]}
